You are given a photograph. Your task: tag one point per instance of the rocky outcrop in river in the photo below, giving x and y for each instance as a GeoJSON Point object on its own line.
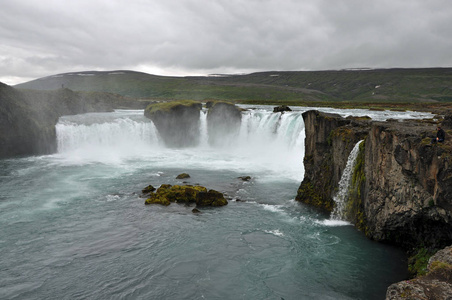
{"type": "Point", "coordinates": [401, 190]}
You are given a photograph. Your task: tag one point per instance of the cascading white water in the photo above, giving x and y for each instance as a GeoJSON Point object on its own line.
{"type": "Point", "coordinates": [105, 135]}
{"type": "Point", "coordinates": [203, 128]}
{"type": "Point", "coordinates": [266, 140]}
{"type": "Point", "coordinates": [344, 185]}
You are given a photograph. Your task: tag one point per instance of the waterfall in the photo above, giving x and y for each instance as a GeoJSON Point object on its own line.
{"type": "Point", "coordinates": [264, 138]}
{"type": "Point", "coordinates": [344, 185]}
{"type": "Point", "coordinates": [203, 142]}
{"type": "Point", "coordinates": [106, 136]}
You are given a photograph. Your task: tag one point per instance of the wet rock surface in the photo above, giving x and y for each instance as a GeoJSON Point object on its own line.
{"type": "Point", "coordinates": [436, 284]}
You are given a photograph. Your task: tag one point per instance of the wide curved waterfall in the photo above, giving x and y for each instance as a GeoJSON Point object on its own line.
{"type": "Point", "coordinates": [271, 141]}
{"type": "Point", "coordinates": [74, 224]}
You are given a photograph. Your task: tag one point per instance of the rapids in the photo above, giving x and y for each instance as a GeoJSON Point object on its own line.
{"type": "Point", "coordinates": [74, 225]}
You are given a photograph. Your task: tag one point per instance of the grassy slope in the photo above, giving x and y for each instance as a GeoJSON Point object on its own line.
{"type": "Point", "coordinates": [347, 86]}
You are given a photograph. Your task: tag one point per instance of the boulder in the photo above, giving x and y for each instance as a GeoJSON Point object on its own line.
{"type": "Point", "coordinates": [211, 198]}
{"type": "Point", "coordinates": [183, 176]}
{"type": "Point", "coordinates": [148, 189]}
{"type": "Point", "coordinates": [186, 194]}
{"type": "Point", "coordinates": [177, 122]}
{"type": "Point", "coordinates": [281, 108]}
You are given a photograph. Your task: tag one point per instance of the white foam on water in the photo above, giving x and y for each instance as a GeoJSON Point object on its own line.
{"type": "Point", "coordinates": [273, 208]}
{"type": "Point", "coordinates": [333, 223]}
{"type": "Point", "coordinates": [275, 232]}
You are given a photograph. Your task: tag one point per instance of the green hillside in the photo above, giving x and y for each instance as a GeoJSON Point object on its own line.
{"type": "Point", "coordinates": [363, 86]}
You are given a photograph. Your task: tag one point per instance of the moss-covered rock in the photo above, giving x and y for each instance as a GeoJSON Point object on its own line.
{"type": "Point", "coordinates": [176, 121]}
{"type": "Point", "coordinates": [148, 189]}
{"type": "Point", "coordinates": [186, 194]}
{"type": "Point", "coordinates": [211, 198]}
{"type": "Point", "coordinates": [183, 176]}
{"type": "Point", "coordinates": [433, 282]}
{"type": "Point", "coordinates": [157, 199]}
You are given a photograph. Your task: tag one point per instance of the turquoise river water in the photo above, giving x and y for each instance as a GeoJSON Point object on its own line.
{"type": "Point", "coordinates": [73, 224]}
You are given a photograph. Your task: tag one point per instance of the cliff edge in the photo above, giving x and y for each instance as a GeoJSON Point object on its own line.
{"type": "Point", "coordinates": [401, 191]}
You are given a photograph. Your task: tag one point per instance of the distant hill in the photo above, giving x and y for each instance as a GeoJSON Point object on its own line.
{"type": "Point", "coordinates": [357, 85]}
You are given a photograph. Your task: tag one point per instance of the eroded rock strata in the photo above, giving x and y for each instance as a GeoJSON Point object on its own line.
{"type": "Point", "coordinates": [402, 186]}
{"type": "Point", "coordinates": [400, 193]}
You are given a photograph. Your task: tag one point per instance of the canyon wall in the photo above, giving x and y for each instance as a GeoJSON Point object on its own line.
{"type": "Point", "coordinates": [401, 191]}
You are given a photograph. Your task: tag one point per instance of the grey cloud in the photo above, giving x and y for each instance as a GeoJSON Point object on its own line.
{"type": "Point", "coordinates": [45, 37]}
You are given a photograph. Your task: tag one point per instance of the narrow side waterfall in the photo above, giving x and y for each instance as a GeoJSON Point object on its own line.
{"type": "Point", "coordinates": [203, 128]}
{"type": "Point", "coordinates": [344, 185]}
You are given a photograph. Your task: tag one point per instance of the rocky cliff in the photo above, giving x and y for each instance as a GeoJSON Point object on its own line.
{"type": "Point", "coordinates": [435, 284]}
{"type": "Point", "coordinates": [401, 190]}
{"type": "Point", "coordinates": [329, 141]}
{"type": "Point", "coordinates": [28, 118]}
{"type": "Point", "coordinates": [177, 122]}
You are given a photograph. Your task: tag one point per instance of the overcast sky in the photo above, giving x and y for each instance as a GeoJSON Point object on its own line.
{"type": "Point", "coordinates": [197, 37]}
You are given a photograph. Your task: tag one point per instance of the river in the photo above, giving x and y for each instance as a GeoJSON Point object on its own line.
{"type": "Point", "coordinates": [74, 226]}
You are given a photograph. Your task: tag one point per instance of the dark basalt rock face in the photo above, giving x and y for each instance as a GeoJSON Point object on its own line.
{"type": "Point", "coordinates": [28, 118]}
{"type": "Point", "coordinates": [223, 122]}
{"type": "Point", "coordinates": [408, 194]}
{"type": "Point", "coordinates": [402, 186]}
{"type": "Point", "coordinates": [329, 141]}
{"type": "Point", "coordinates": [177, 122]}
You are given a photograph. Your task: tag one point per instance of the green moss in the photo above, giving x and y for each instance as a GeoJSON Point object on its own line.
{"type": "Point", "coordinates": [417, 263]}
{"type": "Point", "coordinates": [167, 106]}
{"type": "Point", "coordinates": [436, 265]}
{"type": "Point", "coordinates": [187, 194]}
{"type": "Point", "coordinates": [307, 194]}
